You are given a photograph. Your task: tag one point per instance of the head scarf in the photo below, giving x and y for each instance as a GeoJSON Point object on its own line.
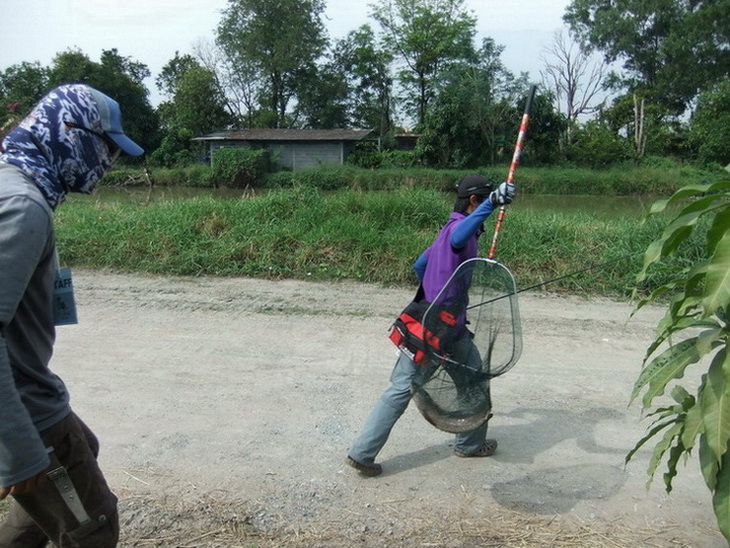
{"type": "Point", "coordinates": [58, 157]}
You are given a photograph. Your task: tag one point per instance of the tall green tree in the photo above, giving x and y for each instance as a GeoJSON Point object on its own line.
{"type": "Point", "coordinates": [322, 102]}
{"type": "Point", "coordinates": [670, 49]}
{"type": "Point", "coordinates": [195, 100]}
{"type": "Point", "coordinates": [277, 38]}
{"type": "Point", "coordinates": [73, 65]}
{"type": "Point", "coordinates": [168, 81]}
{"type": "Point", "coordinates": [472, 113]}
{"type": "Point", "coordinates": [427, 36]}
{"type": "Point", "coordinates": [23, 85]}
{"type": "Point", "coordinates": [195, 107]}
{"type": "Point", "coordinates": [198, 102]}
{"type": "Point", "coordinates": [710, 128]}
{"type": "Point", "coordinates": [366, 66]}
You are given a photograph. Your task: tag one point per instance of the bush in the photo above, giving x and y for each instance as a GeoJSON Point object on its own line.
{"type": "Point", "coordinates": [240, 167]}
{"type": "Point", "coordinates": [175, 150]}
{"type": "Point", "coordinates": [369, 156]}
{"type": "Point", "coordinates": [197, 176]}
{"type": "Point", "coordinates": [596, 145]}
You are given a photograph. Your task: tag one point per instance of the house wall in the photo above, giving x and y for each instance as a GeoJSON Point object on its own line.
{"type": "Point", "coordinates": [296, 156]}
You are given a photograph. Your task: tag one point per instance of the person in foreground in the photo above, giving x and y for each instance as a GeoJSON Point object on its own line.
{"type": "Point", "coordinates": [456, 242]}
{"type": "Point", "coordinates": [47, 454]}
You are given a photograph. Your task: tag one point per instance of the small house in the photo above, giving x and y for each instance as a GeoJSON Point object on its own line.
{"type": "Point", "coordinates": [293, 149]}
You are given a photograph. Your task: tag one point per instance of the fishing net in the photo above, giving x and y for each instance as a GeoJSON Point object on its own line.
{"type": "Point", "coordinates": [474, 334]}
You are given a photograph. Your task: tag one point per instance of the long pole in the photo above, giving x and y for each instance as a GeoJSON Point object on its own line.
{"type": "Point", "coordinates": [513, 167]}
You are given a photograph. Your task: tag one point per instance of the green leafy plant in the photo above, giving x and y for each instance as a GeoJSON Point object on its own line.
{"type": "Point", "coordinates": [694, 330]}
{"type": "Point", "coordinates": [238, 167]}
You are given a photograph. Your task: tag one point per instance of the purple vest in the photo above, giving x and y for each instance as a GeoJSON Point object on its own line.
{"type": "Point", "coordinates": [443, 260]}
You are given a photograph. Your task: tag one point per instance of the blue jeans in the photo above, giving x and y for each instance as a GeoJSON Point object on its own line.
{"type": "Point", "coordinates": [389, 408]}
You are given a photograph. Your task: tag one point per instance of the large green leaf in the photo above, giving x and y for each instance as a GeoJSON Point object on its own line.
{"type": "Point", "coordinates": [674, 455]}
{"type": "Point", "coordinates": [694, 284]}
{"type": "Point", "coordinates": [690, 306]}
{"type": "Point", "coordinates": [718, 228]}
{"type": "Point", "coordinates": [708, 464]}
{"type": "Point", "coordinates": [667, 366]}
{"type": "Point", "coordinates": [660, 448]}
{"type": "Point", "coordinates": [681, 194]}
{"type": "Point", "coordinates": [692, 426]}
{"type": "Point", "coordinates": [688, 192]}
{"type": "Point", "coordinates": [682, 397]}
{"type": "Point", "coordinates": [715, 402]}
{"type": "Point", "coordinates": [679, 230]}
{"type": "Point", "coordinates": [650, 434]}
{"type": "Point", "coordinates": [717, 285]}
{"type": "Point", "coordinates": [676, 319]}
{"type": "Point", "coordinates": [662, 413]}
{"type": "Point", "coordinates": [709, 339]}
{"type": "Point", "coordinates": [655, 295]}
{"type": "Point", "coordinates": [673, 235]}
{"type": "Point", "coordinates": [721, 497]}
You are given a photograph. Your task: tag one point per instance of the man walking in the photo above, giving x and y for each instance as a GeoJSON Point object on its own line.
{"type": "Point", "coordinates": [47, 454]}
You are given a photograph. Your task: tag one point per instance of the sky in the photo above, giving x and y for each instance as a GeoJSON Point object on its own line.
{"type": "Point", "coordinates": [151, 31]}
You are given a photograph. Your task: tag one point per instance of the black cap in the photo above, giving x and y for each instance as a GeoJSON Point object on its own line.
{"type": "Point", "coordinates": [474, 185]}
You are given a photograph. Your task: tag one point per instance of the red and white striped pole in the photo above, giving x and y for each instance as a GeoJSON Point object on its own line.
{"type": "Point", "coordinates": [513, 167]}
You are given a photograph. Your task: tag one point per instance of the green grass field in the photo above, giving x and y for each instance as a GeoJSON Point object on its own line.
{"type": "Point", "coordinates": [367, 236]}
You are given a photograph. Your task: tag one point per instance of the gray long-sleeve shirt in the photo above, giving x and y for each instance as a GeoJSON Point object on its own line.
{"type": "Point", "coordinates": [32, 398]}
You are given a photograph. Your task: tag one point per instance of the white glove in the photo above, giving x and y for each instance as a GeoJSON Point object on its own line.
{"type": "Point", "coordinates": [503, 194]}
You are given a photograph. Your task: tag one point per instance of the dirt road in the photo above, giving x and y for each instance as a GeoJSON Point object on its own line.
{"type": "Point", "coordinates": [226, 406]}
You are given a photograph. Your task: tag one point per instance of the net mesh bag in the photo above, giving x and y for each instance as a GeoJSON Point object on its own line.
{"type": "Point", "coordinates": [473, 334]}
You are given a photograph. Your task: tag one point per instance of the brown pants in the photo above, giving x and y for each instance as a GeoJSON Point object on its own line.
{"type": "Point", "coordinates": [43, 515]}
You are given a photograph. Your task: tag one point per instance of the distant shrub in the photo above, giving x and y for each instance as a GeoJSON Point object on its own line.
{"type": "Point", "coordinates": [239, 167]}
{"type": "Point", "coordinates": [176, 150]}
{"type": "Point", "coordinates": [596, 146]}
{"type": "Point", "coordinates": [197, 175]}
{"type": "Point", "coordinates": [369, 156]}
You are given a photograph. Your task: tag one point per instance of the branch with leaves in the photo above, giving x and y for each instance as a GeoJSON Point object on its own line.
{"type": "Point", "coordinates": [694, 329]}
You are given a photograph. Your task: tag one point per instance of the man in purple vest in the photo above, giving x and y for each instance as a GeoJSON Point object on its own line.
{"type": "Point", "coordinates": [456, 242]}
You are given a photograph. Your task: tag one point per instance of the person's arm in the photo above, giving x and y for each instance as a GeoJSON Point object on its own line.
{"type": "Point", "coordinates": [420, 265]}
{"type": "Point", "coordinates": [502, 195]}
{"type": "Point", "coordinates": [23, 237]}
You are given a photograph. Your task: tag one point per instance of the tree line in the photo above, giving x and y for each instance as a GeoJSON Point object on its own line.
{"type": "Point", "coordinates": [664, 66]}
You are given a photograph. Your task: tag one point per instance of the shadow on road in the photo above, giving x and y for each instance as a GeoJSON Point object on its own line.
{"type": "Point", "coordinates": [525, 435]}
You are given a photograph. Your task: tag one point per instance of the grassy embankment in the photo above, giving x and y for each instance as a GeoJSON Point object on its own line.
{"type": "Point", "coordinates": [303, 232]}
